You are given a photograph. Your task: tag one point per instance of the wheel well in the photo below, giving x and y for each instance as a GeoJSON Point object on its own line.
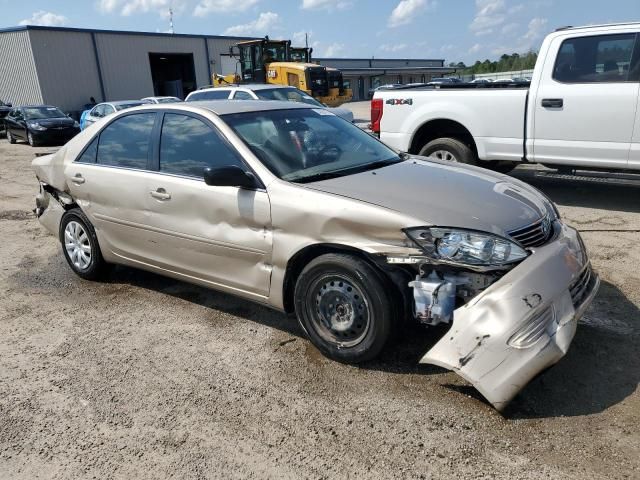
{"type": "Point", "coordinates": [302, 258]}
{"type": "Point", "coordinates": [441, 128]}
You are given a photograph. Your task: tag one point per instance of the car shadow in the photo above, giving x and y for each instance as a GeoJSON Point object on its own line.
{"type": "Point", "coordinates": [581, 193]}
{"type": "Point", "coordinates": [600, 370]}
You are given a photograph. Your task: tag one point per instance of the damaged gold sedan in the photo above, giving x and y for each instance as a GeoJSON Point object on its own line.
{"type": "Point", "coordinates": [293, 207]}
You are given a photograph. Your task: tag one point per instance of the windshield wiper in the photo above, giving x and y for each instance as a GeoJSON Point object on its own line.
{"type": "Point", "coordinates": [348, 171]}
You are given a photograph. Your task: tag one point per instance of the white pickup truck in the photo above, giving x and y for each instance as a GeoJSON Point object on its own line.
{"type": "Point", "coordinates": [581, 109]}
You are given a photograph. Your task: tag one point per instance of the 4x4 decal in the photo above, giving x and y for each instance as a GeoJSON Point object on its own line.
{"type": "Point", "coordinates": [399, 101]}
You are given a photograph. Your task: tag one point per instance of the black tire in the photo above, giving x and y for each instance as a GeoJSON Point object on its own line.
{"type": "Point", "coordinates": [460, 152]}
{"type": "Point", "coordinates": [358, 326]}
{"type": "Point", "coordinates": [31, 140]}
{"type": "Point", "coordinates": [11, 138]}
{"type": "Point", "coordinates": [96, 267]}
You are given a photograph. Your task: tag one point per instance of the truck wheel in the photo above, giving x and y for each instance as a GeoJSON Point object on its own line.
{"type": "Point", "coordinates": [449, 149]}
{"type": "Point", "coordinates": [80, 245]}
{"type": "Point", "coordinates": [345, 307]}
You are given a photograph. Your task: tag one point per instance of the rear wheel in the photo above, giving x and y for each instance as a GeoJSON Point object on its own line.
{"type": "Point", "coordinates": [10, 137]}
{"type": "Point", "coordinates": [345, 306]}
{"type": "Point", "coordinates": [80, 245]}
{"type": "Point", "coordinates": [450, 150]}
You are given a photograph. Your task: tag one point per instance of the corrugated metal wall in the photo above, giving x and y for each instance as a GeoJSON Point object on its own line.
{"type": "Point", "coordinates": [217, 48]}
{"type": "Point", "coordinates": [66, 67]}
{"type": "Point", "coordinates": [124, 60]}
{"type": "Point", "coordinates": [18, 75]}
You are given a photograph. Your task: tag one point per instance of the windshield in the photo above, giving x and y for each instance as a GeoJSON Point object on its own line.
{"type": "Point", "coordinates": [287, 95]}
{"type": "Point", "coordinates": [168, 100]}
{"type": "Point", "coordinates": [306, 145]}
{"type": "Point", "coordinates": [38, 113]}
{"type": "Point", "coordinates": [123, 106]}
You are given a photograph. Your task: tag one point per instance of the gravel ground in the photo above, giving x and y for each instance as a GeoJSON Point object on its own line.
{"type": "Point", "coordinates": [146, 377]}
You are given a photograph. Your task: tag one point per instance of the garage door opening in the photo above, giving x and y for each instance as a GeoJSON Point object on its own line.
{"type": "Point", "coordinates": [173, 74]}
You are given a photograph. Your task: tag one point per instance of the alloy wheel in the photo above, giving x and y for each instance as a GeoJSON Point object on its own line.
{"type": "Point", "coordinates": [444, 155]}
{"type": "Point", "coordinates": [77, 245]}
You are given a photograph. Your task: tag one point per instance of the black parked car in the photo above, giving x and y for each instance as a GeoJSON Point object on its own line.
{"type": "Point", "coordinates": [38, 124]}
{"type": "Point", "coordinates": [5, 108]}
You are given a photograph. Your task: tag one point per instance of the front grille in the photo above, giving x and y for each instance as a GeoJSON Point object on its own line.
{"type": "Point", "coordinates": [579, 288]}
{"type": "Point", "coordinates": [535, 234]}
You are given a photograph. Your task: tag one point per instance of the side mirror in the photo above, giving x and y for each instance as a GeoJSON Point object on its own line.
{"type": "Point", "coordinates": [9, 105]}
{"type": "Point", "coordinates": [230, 176]}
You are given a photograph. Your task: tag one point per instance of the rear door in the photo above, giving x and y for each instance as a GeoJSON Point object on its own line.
{"type": "Point", "coordinates": [586, 100]}
{"type": "Point", "coordinates": [109, 180]}
{"type": "Point", "coordinates": [220, 235]}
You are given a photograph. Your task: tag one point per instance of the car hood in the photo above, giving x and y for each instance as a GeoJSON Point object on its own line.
{"type": "Point", "coordinates": [55, 122]}
{"type": "Point", "coordinates": [343, 112]}
{"type": "Point", "coordinates": [444, 194]}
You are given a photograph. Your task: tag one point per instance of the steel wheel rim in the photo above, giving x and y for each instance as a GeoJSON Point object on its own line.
{"type": "Point", "coordinates": [77, 245]}
{"type": "Point", "coordinates": [341, 313]}
{"type": "Point", "coordinates": [444, 155]}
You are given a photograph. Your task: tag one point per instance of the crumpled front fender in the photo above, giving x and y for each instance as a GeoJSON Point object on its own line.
{"type": "Point", "coordinates": [488, 344]}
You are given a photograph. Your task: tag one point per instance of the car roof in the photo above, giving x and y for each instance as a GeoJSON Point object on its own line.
{"type": "Point", "coordinates": [248, 86]}
{"type": "Point", "coordinates": [226, 107]}
{"type": "Point", "coordinates": [37, 106]}
{"type": "Point", "coordinates": [122, 102]}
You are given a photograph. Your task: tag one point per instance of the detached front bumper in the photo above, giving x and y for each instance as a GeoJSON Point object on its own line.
{"type": "Point", "coordinates": [521, 324]}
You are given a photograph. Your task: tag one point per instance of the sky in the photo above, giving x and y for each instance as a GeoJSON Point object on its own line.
{"type": "Point", "coordinates": [454, 30]}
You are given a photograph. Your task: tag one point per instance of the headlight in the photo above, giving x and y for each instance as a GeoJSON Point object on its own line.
{"type": "Point", "coordinates": [467, 247]}
{"type": "Point", "coordinates": [36, 126]}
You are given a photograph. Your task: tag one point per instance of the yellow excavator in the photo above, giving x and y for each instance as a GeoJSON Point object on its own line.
{"type": "Point", "coordinates": [272, 61]}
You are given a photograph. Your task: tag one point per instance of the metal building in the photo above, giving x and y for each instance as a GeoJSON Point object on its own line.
{"type": "Point", "coordinates": [67, 66]}
{"type": "Point", "coordinates": [365, 74]}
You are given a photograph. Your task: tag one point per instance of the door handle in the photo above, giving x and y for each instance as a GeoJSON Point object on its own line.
{"type": "Point", "coordinates": [160, 194]}
{"type": "Point", "coordinates": [552, 102]}
{"type": "Point", "coordinates": [78, 179]}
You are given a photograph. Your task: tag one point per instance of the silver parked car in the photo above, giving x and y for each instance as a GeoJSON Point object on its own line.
{"type": "Point", "coordinates": [260, 91]}
{"type": "Point", "coordinates": [105, 109]}
{"type": "Point", "coordinates": [291, 206]}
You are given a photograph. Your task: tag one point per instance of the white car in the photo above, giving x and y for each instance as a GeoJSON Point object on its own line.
{"type": "Point", "coordinates": [580, 109]}
{"type": "Point", "coordinates": [261, 91]}
{"type": "Point", "coordinates": [105, 109]}
{"type": "Point", "coordinates": [161, 99]}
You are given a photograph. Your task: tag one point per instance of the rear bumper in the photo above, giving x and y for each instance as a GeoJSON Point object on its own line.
{"type": "Point", "coordinates": [539, 301]}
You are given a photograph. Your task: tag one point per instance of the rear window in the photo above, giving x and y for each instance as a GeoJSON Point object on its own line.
{"type": "Point", "coordinates": [209, 95]}
{"type": "Point", "coordinates": [597, 59]}
{"type": "Point", "coordinates": [126, 141]}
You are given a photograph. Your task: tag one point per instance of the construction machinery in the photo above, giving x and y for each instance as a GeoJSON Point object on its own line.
{"type": "Point", "coordinates": [275, 61]}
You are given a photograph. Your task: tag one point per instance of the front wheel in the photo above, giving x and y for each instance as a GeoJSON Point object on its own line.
{"type": "Point", "coordinates": [31, 140]}
{"type": "Point", "coordinates": [450, 150]}
{"type": "Point", "coordinates": [80, 245]}
{"type": "Point", "coordinates": [345, 307]}
{"type": "Point", "coordinates": [10, 137]}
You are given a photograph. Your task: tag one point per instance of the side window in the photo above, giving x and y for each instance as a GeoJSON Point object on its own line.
{"type": "Point", "coordinates": [107, 110]}
{"type": "Point", "coordinates": [240, 95]}
{"type": "Point", "coordinates": [599, 59]}
{"type": "Point", "coordinates": [126, 142]}
{"type": "Point", "coordinates": [188, 145]}
{"type": "Point", "coordinates": [98, 111]}
{"type": "Point", "coordinates": [90, 153]}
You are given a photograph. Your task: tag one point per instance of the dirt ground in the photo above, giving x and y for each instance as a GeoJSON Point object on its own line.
{"type": "Point", "coordinates": [146, 377]}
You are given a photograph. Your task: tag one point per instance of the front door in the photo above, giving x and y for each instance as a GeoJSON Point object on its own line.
{"type": "Point", "coordinates": [585, 106]}
{"type": "Point", "coordinates": [219, 235]}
